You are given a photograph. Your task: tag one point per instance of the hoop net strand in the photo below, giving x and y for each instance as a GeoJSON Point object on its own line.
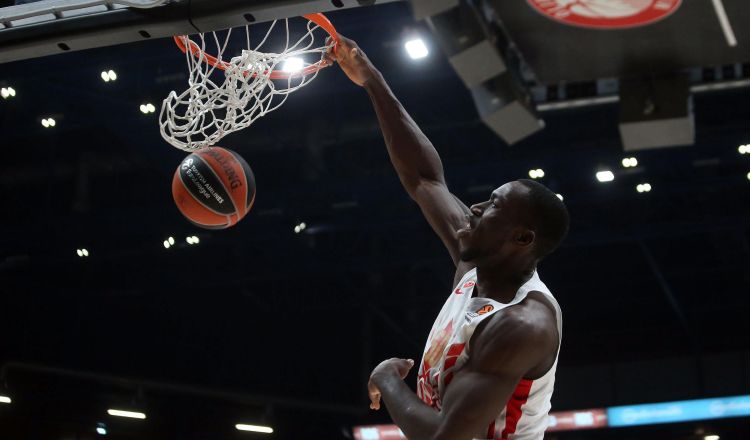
{"type": "Point", "coordinates": [226, 96]}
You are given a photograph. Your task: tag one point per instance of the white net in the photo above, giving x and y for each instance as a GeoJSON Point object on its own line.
{"type": "Point", "coordinates": [228, 96]}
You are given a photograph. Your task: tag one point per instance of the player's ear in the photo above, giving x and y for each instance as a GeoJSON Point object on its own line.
{"type": "Point", "coordinates": [524, 237]}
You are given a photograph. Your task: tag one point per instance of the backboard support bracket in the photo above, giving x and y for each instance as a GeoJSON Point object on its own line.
{"type": "Point", "coordinates": [56, 33]}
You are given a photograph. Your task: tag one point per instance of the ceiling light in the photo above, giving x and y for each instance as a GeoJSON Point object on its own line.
{"type": "Point", "coordinates": [147, 108]}
{"type": "Point", "coordinates": [189, 240]}
{"type": "Point", "coordinates": [196, 240]}
{"type": "Point", "coordinates": [630, 162]}
{"type": "Point", "coordinates": [101, 429]}
{"type": "Point", "coordinates": [536, 174]}
{"type": "Point", "coordinates": [79, 252]}
{"type": "Point", "coordinates": [559, 196]}
{"type": "Point", "coordinates": [744, 149]}
{"type": "Point", "coordinates": [166, 244]}
{"type": "Point", "coordinates": [293, 64]}
{"type": "Point", "coordinates": [128, 414]}
{"type": "Point", "coordinates": [643, 188]}
{"type": "Point", "coordinates": [5, 399]}
{"type": "Point", "coordinates": [605, 176]}
{"type": "Point", "coordinates": [45, 123]}
{"type": "Point", "coordinates": [300, 227]}
{"type": "Point", "coordinates": [109, 75]}
{"type": "Point", "coordinates": [171, 241]}
{"type": "Point", "coordinates": [7, 92]}
{"type": "Point", "coordinates": [711, 437]}
{"type": "Point", "coordinates": [48, 122]}
{"type": "Point", "coordinates": [254, 428]}
{"type": "Point", "coordinates": [416, 49]}
{"type": "Point", "coordinates": [85, 252]}
{"type": "Point", "coordinates": [748, 176]}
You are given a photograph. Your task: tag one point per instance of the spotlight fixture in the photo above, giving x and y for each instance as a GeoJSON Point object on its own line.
{"type": "Point", "coordinates": [300, 227]}
{"type": "Point", "coordinates": [147, 108]}
{"type": "Point", "coordinates": [630, 162]}
{"type": "Point", "coordinates": [643, 188]}
{"type": "Point", "coordinates": [82, 252]}
{"type": "Point", "coordinates": [171, 241]}
{"type": "Point", "coordinates": [192, 239]}
{"type": "Point", "coordinates": [536, 174]}
{"type": "Point", "coordinates": [109, 75]}
{"type": "Point", "coordinates": [744, 149]}
{"type": "Point", "coordinates": [127, 414]}
{"type": "Point", "coordinates": [254, 428]}
{"type": "Point", "coordinates": [605, 176]}
{"type": "Point", "coordinates": [7, 92]}
{"type": "Point", "coordinates": [416, 49]}
{"type": "Point", "coordinates": [48, 122]}
{"type": "Point", "coordinates": [293, 64]}
{"type": "Point", "coordinates": [166, 244]}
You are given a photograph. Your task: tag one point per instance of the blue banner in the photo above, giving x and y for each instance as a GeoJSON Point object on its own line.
{"type": "Point", "coordinates": [682, 411]}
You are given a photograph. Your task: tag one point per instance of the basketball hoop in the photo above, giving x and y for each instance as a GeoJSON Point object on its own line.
{"type": "Point", "coordinates": [254, 83]}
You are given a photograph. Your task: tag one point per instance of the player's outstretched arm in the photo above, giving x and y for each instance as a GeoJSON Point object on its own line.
{"type": "Point", "coordinates": [508, 348]}
{"type": "Point", "coordinates": [412, 154]}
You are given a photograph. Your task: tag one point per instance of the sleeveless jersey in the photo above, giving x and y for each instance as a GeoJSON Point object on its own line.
{"type": "Point", "coordinates": [525, 415]}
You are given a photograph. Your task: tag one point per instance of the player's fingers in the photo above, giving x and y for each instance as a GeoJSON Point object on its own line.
{"type": "Point", "coordinates": [340, 50]}
{"type": "Point", "coordinates": [375, 401]}
{"type": "Point", "coordinates": [404, 366]}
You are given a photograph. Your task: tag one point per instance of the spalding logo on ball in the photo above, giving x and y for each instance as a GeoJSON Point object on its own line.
{"type": "Point", "coordinates": [606, 14]}
{"type": "Point", "coordinates": [214, 188]}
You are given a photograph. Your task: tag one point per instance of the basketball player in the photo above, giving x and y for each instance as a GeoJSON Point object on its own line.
{"type": "Point", "coordinates": [489, 364]}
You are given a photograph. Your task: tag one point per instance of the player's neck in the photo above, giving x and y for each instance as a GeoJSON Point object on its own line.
{"type": "Point", "coordinates": [501, 285]}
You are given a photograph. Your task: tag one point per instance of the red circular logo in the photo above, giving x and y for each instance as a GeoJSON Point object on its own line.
{"type": "Point", "coordinates": [606, 14]}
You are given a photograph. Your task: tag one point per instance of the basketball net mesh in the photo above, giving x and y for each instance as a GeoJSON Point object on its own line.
{"type": "Point", "coordinates": [225, 99]}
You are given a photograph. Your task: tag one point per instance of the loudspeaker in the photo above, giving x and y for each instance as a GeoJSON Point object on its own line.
{"type": "Point", "coordinates": [656, 113]}
{"type": "Point", "coordinates": [472, 49]}
{"type": "Point", "coordinates": [425, 8]}
{"type": "Point", "coordinates": [506, 108]}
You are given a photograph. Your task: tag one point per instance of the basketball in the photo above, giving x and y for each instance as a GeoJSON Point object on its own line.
{"type": "Point", "coordinates": [214, 188]}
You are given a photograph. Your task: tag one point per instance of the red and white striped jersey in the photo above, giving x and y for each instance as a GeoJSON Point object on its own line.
{"type": "Point", "coordinates": [525, 415]}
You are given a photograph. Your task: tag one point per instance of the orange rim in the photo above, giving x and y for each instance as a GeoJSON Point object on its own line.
{"type": "Point", "coordinates": [184, 41]}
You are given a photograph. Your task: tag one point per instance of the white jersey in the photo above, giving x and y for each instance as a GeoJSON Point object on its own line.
{"type": "Point", "coordinates": [525, 415]}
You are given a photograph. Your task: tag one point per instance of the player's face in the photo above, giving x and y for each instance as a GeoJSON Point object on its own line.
{"type": "Point", "coordinates": [492, 225]}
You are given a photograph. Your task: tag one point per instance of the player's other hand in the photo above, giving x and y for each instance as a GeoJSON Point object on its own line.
{"type": "Point", "coordinates": [352, 60]}
{"type": "Point", "coordinates": [392, 366]}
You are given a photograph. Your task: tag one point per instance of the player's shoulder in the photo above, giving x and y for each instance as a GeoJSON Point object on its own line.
{"type": "Point", "coordinates": [526, 331]}
{"type": "Point", "coordinates": [528, 320]}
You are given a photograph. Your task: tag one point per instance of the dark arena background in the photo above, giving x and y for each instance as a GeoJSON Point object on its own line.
{"type": "Point", "coordinates": [110, 299]}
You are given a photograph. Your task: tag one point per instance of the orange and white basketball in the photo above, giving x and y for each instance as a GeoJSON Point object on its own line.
{"type": "Point", "coordinates": [214, 188]}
